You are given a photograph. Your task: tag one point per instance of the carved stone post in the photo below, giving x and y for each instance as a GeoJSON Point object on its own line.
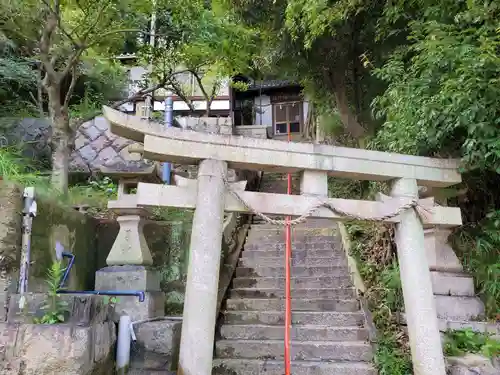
{"type": "Point", "coordinates": [200, 303]}
{"type": "Point", "coordinates": [130, 259]}
{"type": "Point", "coordinates": [419, 301]}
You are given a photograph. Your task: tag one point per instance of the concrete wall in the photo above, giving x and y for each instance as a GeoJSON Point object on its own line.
{"type": "Point", "coordinates": [53, 223]}
{"type": "Point", "coordinates": [76, 232]}
{"type": "Point", "coordinates": [10, 241]}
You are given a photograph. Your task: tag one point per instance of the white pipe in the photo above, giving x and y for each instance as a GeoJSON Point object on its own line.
{"type": "Point", "coordinates": [123, 345]}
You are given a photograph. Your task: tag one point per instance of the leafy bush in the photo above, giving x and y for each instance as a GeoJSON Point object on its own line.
{"type": "Point", "coordinates": [460, 342]}
{"type": "Point", "coordinates": [443, 96]}
{"type": "Point", "coordinates": [478, 247]}
{"type": "Point", "coordinates": [372, 247]}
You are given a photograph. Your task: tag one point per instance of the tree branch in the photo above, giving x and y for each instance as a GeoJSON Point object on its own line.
{"type": "Point", "coordinates": [57, 14]}
{"type": "Point", "coordinates": [45, 46]}
{"type": "Point", "coordinates": [71, 88]}
{"type": "Point", "coordinates": [200, 84]}
{"type": "Point", "coordinates": [39, 92]}
{"type": "Point", "coordinates": [138, 95]}
{"type": "Point", "coordinates": [178, 91]}
{"type": "Point", "coordinates": [116, 105]}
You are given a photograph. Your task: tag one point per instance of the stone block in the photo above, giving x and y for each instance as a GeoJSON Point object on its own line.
{"type": "Point", "coordinates": [82, 310]}
{"type": "Point", "coordinates": [471, 364]}
{"type": "Point", "coordinates": [104, 339]}
{"type": "Point", "coordinates": [459, 308]}
{"type": "Point", "coordinates": [157, 345]}
{"type": "Point", "coordinates": [440, 255]}
{"type": "Point", "coordinates": [56, 349]}
{"type": "Point", "coordinates": [453, 284]}
{"type": "Point", "coordinates": [127, 278]}
{"type": "Point", "coordinates": [153, 306]}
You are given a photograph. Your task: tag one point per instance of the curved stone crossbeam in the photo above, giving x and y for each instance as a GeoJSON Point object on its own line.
{"type": "Point", "coordinates": [188, 147]}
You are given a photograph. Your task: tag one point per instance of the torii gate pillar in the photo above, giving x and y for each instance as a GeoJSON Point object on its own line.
{"type": "Point", "coordinates": [200, 303]}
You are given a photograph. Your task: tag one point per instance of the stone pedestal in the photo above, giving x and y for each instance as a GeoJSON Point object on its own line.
{"type": "Point", "coordinates": [133, 278]}
{"type": "Point", "coordinates": [440, 255]}
{"type": "Point", "coordinates": [453, 288]}
{"type": "Point", "coordinates": [130, 246]}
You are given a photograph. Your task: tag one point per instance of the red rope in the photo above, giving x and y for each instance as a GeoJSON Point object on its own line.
{"type": "Point", "coordinates": [288, 260]}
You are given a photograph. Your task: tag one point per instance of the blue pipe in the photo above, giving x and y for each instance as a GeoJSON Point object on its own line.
{"type": "Point", "coordinates": [141, 295]}
{"type": "Point", "coordinates": [70, 264]}
{"type": "Point", "coordinates": [137, 293]}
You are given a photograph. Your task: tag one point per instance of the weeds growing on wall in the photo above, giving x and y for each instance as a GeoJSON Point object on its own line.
{"type": "Point", "coordinates": [372, 247]}
{"type": "Point", "coordinates": [54, 307]}
{"type": "Point", "coordinates": [460, 342]}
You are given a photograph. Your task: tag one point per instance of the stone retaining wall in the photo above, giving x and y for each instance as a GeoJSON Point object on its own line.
{"type": "Point", "coordinates": [84, 345]}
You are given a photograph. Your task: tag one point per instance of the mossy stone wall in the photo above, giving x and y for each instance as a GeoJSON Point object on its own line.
{"type": "Point", "coordinates": [76, 232]}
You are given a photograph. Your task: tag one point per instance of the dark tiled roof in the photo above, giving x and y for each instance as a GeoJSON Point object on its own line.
{"type": "Point", "coordinates": [271, 84]}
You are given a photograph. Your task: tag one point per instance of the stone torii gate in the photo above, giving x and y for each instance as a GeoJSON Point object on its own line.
{"type": "Point", "coordinates": [211, 197]}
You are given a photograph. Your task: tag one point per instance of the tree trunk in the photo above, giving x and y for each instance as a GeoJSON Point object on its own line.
{"type": "Point", "coordinates": [61, 134]}
{"type": "Point", "coordinates": [349, 119]}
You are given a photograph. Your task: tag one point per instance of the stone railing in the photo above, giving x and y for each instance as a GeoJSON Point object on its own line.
{"type": "Point", "coordinates": [253, 131]}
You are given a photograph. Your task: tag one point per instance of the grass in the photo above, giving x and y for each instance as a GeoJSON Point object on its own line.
{"type": "Point", "coordinates": [373, 250]}
{"type": "Point", "coordinates": [95, 192]}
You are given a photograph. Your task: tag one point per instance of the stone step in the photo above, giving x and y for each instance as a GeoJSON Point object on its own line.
{"type": "Point", "coordinates": [313, 304]}
{"type": "Point", "coordinates": [296, 282]}
{"type": "Point", "coordinates": [297, 270]}
{"type": "Point", "coordinates": [343, 293]}
{"type": "Point", "coordinates": [298, 332]}
{"type": "Point", "coordinates": [279, 237]}
{"type": "Point", "coordinates": [296, 246]}
{"type": "Point", "coordinates": [310, 223]}
{"type": "Point", "coordinates": [452, 284]}
{"type": "Point", "coordinates": [459, 308]}
{"type": "Point", "coordinates": [300, 350]}
{"type": "Point", "coordinates": [270, 367]}
{"type": "Point", "coordinates": [328, 318]}
{"type": "Point", "coordinates": [149, 372]}
{"type": "Point", "coordinates": [296, 253]}
{"type": "Point", "coordinates": [279, 261]}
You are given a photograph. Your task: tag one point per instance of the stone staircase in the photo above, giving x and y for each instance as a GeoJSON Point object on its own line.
{"type": "Point", "coordinates": [328, 334]}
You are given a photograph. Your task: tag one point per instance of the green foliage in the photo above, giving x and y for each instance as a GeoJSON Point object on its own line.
{"type": "Point", "coordinates": [54, 308]}
{"type": "Point", "coordinates": [390, 358]}
{"type": "Point", "coordinates": [18, 80]}
{"type": "Point", "coordinates": [371, 247]}
{"type": "Point", "coordinates": [459, 342]}
{"type": "Point", "coordinates": [442, 97]}
{"type": "Point", "coordinates": [477, 247]}
{"type": "Point", "coordinates": [110, 300]}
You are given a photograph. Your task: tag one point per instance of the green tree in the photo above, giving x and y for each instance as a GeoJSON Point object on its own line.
{"type": "Point", "coordinates": [71, 38]}
{"type": "Point", "coordinates": [443, 96]}
{"type": "Point", "coordinates": [201, 40]}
